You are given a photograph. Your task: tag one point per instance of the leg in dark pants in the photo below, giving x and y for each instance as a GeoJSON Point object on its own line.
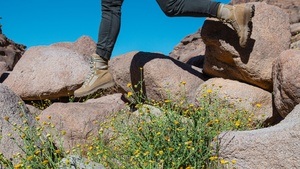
{"type": "Point", "coordinates": [109, 27]}
{"type": "Point", "coordinates": [194, 8]}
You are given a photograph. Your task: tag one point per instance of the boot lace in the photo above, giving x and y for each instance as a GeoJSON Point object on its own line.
{"type": "Point", "coordinates": [92, 72]}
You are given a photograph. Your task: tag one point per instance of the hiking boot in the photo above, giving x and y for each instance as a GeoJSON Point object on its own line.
{"type": "Point", "coordinates": [239, 16]}
{"type": "Point", "coordinates": [98, 77]}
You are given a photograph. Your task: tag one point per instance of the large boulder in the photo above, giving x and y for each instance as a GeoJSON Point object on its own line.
{"type": "Point", "coordinates": [12, 108]}
{"type": "Point", "coordinates": [80, 121]}
{"type": "Point", "coordinates": [252, 64]}
{"type": "Point", "coordinates": [274, 147]}
{"type": "Point", "coordinates": [158, 77]}
{"type": "Point", "coordinates": [48, 72]}
{"type": "Point", "coordinates": [287, 81]}
{"type": "Point", "coordinates": [240, 96]}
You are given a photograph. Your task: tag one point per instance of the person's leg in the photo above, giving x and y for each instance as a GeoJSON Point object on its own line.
{"type": "Point", "coordinates": [238, 16]}
{"type": "Point", "coordinates": [194, 8]}
{"type": "Point", "coordinates": [109, 27]}
{"type": "Point", "coordinates": [99, 76]}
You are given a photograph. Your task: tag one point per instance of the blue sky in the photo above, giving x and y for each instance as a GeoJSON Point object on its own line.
{"type": "Point", "coordinates": [144, 26]}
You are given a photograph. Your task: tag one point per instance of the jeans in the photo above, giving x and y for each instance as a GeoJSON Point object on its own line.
{"type": "Point", "coordinates": [111, 18]}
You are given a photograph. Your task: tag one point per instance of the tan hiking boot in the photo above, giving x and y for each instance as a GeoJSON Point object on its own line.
{"type": "Point", "coordinates": [239, 16]}
{"type": "Point", "coordinates": [98, 78]}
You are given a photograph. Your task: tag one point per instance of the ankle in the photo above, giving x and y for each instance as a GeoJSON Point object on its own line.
{"type": "Point", "coordinates": [224, 12]}
{"type": "Point", "coordinates": [99, 62]}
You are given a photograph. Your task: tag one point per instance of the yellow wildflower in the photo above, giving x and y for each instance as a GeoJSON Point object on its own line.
{"type": "Point", "coordinates": [37, 152]}
{"type": "Point", "coordinates": [171, 149]}
{"type": "Point", "coordinates": [29, 158]}
{"type": "Point", "coordinates": [238, 123]}
{"type": "Point", "coordinates": [167, 101]}
{"type": "Point", "coordinates": [129, 94]}
{"type": "Point", "coordinates": [91, 148]}
{"type": "Point", "coordinates": [37, 118]}
{"type": "Point", "coordinates": [233, 161]}
{"type": "Point", "coordinates": [45, 162]}
{"type": "Point", "coordinates": [183, 82]}
{"type": "Point", "coordinates": [222, 161]}
{"type": "Point", "coordinates": [209, 91]}
{"type": "Point", "coordinates": [18, 166]}
{"type": "Point", "coordinates": [129, 85]}
{"type": "Point", "coordinates": [258, 105]}
{"type": "Point", "coordinates": [188, 142]}
{"type": "Point", "coordinates": [212, 158]}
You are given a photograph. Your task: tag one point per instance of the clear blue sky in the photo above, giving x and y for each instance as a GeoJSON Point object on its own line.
{"type": "Point", "coordinates": [144, 26]}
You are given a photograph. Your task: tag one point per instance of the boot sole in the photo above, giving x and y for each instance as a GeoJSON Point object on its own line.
{"type": "Point", "coordinates": [104, 86]}
{"type": "Point", "coordinates": [250, 10]}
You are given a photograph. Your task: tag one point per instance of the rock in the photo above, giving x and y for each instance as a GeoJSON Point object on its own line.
{"type": "Point", "coordinates": [295, 45]}
{"type": "Point", "coordinates": [159, 77]}
{"type": "Point", "coordinates": [240, 96]}
{"type": "Point", "coordinates": [84, 46]}
{"type": "Point", "coordinates": [295, 28]}
{"type": "Point", "coordinates": [190, 50]}
{"type": "Point", "coordinates": [252, 64]}
{"type": "Point", "coordinates": [11, 107]}
{"type": "Point", "coordinates": [273, 147]}
{"type": "Point", "coordinates": [33, 110]}
{"type": "Point", "coordinates": [48, 72]}
{"type": "Point", "coordinates": [3, 68]}
{"type": "Point", "coordinates": [81, 120]}
{"type": "Point", "coordinates": [295, 38]}
{"type": "Point", "coordinates": [10, 52]}
{"type": "Point", "coordinates": [287, 81]}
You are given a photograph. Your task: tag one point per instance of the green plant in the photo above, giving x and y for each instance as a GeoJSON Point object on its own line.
{"type": "Point", "coordinates": [181, 137]}
{"type": "Point", "coordinates": [38, 150]}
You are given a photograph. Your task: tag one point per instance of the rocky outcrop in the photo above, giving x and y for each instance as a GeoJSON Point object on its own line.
{"type": "Point", "coordinates": [273, 147]}
{"type": "Point", "coordinates": [287, 81]}
{"type": "Point", "coordinates": [49, 72]}
{"type": "Point", "coordinates": [252, 64]}
{"type": "Point", "coordinates": [10, 52]}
